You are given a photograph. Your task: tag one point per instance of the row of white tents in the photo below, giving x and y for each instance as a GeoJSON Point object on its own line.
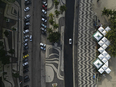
{"type": "Point", "coordinates": [101, 63]}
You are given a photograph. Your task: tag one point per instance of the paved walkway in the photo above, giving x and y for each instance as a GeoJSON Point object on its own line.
{"type": "Point", "coordinates": [108, 80]}
{"type": "Point", "coordinates": [85, 45]}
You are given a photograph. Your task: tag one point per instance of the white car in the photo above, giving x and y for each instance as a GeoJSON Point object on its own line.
{"type": "Point", "coordinates": [44, 11]}
{"type": "Point", "coordinates": [27, 23]}
{"type": "Point", "coordinates": [26, 40]}
{"type": "Point", "coordinates": [30, 37]}
{"type": "Point", "coordinates": [43, 46]}
{"type": "Point", "coordinates": [26, 31]}
{"type": "Point", "coordinates": [44, 3]}
{"type": "Point", "coordinates": [27, 16]}
{"type": "Point", "coordinates": [25, 44]}
{"type": "Point", "coordinates": [44, 20]}
{"type": "Point", "coordinates": [26, 63]}
{"type": "Point", "coordinates": [27, 36]}
{"type": "Point", "coordinates": [70, 41]}
{"type": "Point", "coordinates": [27, 9]}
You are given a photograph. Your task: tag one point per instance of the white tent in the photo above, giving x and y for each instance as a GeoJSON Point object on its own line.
{"type": "Point", "coordinates": [104, 39]}
{"type": "Point", "coordinates": [104, 46]}
{"type": "Point", "coordinates": [101, 29]}
{"type": "Point", "coordinates": [104, 60]}
{"type": "Point", "coordinates": [104, 53]}
{"type": "Point", "coordinates": [97, 63]}
{"type": "Point", "coordinates": [107, 28]}
{"type": "Point", "coordinates": [100, 56]}
{"type": "Point", "coordinates": [97, 35]}
{"type": "Point", "coordinates": [101, 70]}
{"type": "Point", "coordinates": [100, 42]}
{"type": "Point", "coordinates": [104, 32]}
{"type": "Point", "coordinates": [107, 56]}
{"type": "Point", "coordinates": [108, 70]}
{"type": "Point", "coordinates": [107, 42]}
{"type": "Point", "coordinates": [104, 67]}
{"type": "Point", "coordinates": [106, 63]}
{"type": "Point", "coordinates": [100, 49]}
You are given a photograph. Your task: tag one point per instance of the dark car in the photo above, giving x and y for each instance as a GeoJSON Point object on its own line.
{"type": "Point", "coordinates": [44, 16]}
{"type": "Point", "coordinates": [26, 86]}
{"type": "Point", "coordinates": [28, 2]}
{"type": "Point", "coordinates": [25, 67]}
{"type": "Point", "coordinates": [26, 52]}
{"type": "Point", "coordinates": [26, 27]}
{"type": "Point", "coordinates": [26, 80]}
{"type": "Point", "coordinates": [26, 77]}
{"type": "Point", "coordinates": [25, 60]}
{"type": "Point", "coordinates": [26, 20]}
{"type": "Point", "coordinates": [26, 48]}
{"type": "Point", "coordinates": [25, 70]}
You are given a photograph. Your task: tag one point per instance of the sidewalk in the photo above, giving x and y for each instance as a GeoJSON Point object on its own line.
{"type": "Point", "coordinates": [109, 80]}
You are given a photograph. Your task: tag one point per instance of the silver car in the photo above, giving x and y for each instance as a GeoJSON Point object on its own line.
{"type": "Point", "coordinates": [27, 23]}
{"type": "Point", "coordinates": [27, 16]}
{"type": "Point", "coordinates": [26, 31]}
{"type": "Point", "coordinates": [30, 37]}
{"type": "Point", "coordinates": [44, 11]}
{"type": "Point", "coordinates": [27, 9]}
{"type": "Point", "coordinates": [26, 36]}
{"type": "Point", "coordinates": [26, 63]}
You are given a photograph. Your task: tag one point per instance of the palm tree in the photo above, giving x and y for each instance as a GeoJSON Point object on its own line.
{"type": "Point", "coordinates": [6, 33]}
{"type": "Point", "coordinates": [51, 21]}
{"type": "Point", "coordinates": [63, 8]}
{"type": "Point", "coordinates": [49, 30]}
{"type": "Point", "coordinates": [56, 3]}
{"type": "Point", "coordinates": [57, 13]}
{"type": "Point", "coordinates": [51, 15]}
{"type": "Point", "coordinates": [55, 26]}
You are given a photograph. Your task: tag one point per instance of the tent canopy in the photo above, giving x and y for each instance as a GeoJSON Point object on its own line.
{"type": "Point", "coordinates": [97, 63]}
{"type": "Point", "coordinates": [97, 35]}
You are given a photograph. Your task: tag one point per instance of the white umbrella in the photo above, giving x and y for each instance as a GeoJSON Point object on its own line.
{"type": "Point", "coordinates": [107, 28]}
{"type": "Point", "coordinates": [100, 49]}
{"type": "Point", "coordinates": [104, 39]}
{"type": "Point", "coordinates": [97, 35]}
{"type": "Point", "coordinates": [106, 63]}
{"type": "Point", "coordinates": [104, 67]}
{"type": "Point", "coordinates": [104, 46]}
{"type": "Point", "coordinates": [108, 56]}
{"type": "Point", "coordinates": [108, 70]}
{"type": "Point", "coordinates": [104, 60]}
{"type": "Point", "coordinates": [104, 32]}
{"type": "Point", "coordinates": [101, 29]}
{"type": "Point", "coordinates": [100, 56]}
{"type": "Point", "coordinates": [101, 70]}
{"type": "Point", "coordinates": [107, 42]}
{"type": "Point", "coordinates": [104, 53]}
{"type": "Point", "coordinates": [100, 42]}
{"type": "Point", "coordinates": [98, 63]}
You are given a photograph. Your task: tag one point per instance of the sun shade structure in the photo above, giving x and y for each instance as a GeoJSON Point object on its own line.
{"type": "Point", "coordinates": [107, 56]}
{"type": "Point", "coordinates": [101, 70]}
{"type": "Point", "coordinates": [107, 28]}
{"type": "Point", "coordinates": [104, 32]}
{"type": "Point", "coordinates": [104, 60]}
{"type": "Point", "coordinates": [100, 42]}
{"type": "Point", "coordinates": [106, 63]}
{"type": "Point", "coordinates": [97, 63]}
{"type": "Point", "coordinates": [104, 39]}
{"type": "Point", "coordinates": [100, 56]}
{"type": "Point", "coordinates": [104, 46]}
{"type": "Point", "coordinates": [97, 35]}
{"type": "Point", "coordinates": [107, 70]}
{"type": "Point", "coordinates": [100, 49]}
{"type": "Point", "coordinates": [104, 53]}
{"type": "Point", "coordinates": [104, 67]}
{"type": "Point", "coordinates": [101, 29]}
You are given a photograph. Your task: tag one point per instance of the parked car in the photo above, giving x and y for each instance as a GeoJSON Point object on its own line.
{"type": "Point", "coordinates": [27, 2]}
{"type": "Point", "coordinates": [25, 56]}
{"type": "Point", "coordinates": [25, 67]}
{"type": "Point", "coordinates": [27, 23]}
{"type": "Point", "coordinates": [26, 80]}
{"type": "Point", "coordinates": [25, 44]}
{"type": "Point", "coordinates": [25, 60]}
{"type": "Point", "coordinates": [27, 16]}
{"type": "Point", "coordinates": [44, 11]}
{"type": "Point", "coordinates": [43, 30]}
{"type": "Point", "coordinates": [26, 63]}
{"type": "Point", "coordinates": [25, 52]}
{"type": "Point", "coordinates": [25, 70]}
{"type": "Point", "coordinates": [26, 48]}
{"type": "Point", "coordinates": [27, 9]}
{"type": "Point", "coordinates": [43, 25]}
{"type": "Point", "coordinates": [42, 46]}
{"type": "Point", "coordinates": [26, 31]}
{"type": "Point", "coordinates": [44, 20]}
{"type": "Point", "coordinates": [30, 37]}
{"type": "Point", "coordinates": [26, 27]}
{"type": "Point", "coordinates": [70, 41]}
{"type": "Point", "coordinates": [44, 16]}
{"type": "Point", "coordinates": [26, 86]}
{"type": "Point", "coordinates": [26, 36]}
{"type": "Point", "coordinates": [44, 7]}
{"type": "Point", "coordinates": [26, 20]}
{"type": "Point", "coordinates": [26, 77]}
{"type": "Point", "coordinates": [44, 3]}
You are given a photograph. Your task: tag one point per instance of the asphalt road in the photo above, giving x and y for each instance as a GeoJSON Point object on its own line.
{"type": "Point", "coordinates": [68, 65]}
{"type": "Point", "coordinates": [36, 60]}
